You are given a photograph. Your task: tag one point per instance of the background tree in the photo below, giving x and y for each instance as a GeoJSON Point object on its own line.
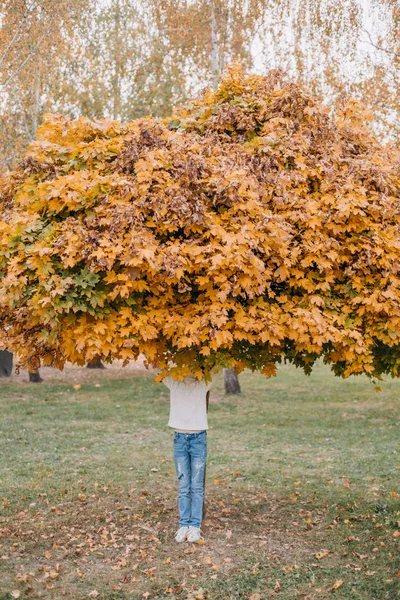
{"type": "Point", "coordinates": [34, 376]}
{"type": "Point", "coordinates": [95, 364]}
{"type": "Point", "coordinates": [340, 50]}
{"type": "Point", "coordinates": [128, 58]}
{"type": "Point", "coordinates": [35, 42]}
{"type": "Point", "coordinates": [380, 87]}
{"type": "Point", "coordinates": [6, 363]}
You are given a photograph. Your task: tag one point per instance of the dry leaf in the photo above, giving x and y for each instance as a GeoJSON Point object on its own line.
{"type": "Point", "coordinates": [320, 555]}
{"type": "Point", "coordinates": [336, 585]}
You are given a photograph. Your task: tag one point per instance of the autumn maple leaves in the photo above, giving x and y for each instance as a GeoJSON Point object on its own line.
{"type": "Point", "coordinates": [249, 227]}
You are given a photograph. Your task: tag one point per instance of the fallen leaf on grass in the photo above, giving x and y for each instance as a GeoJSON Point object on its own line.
{"type": "Point", "coordinates": [24, 577]}
{"type": "Point", "coordinates": [76, 386]}
{"type": "Point", "coordinates": [255, 597]}
{"type": "Point", "coordinates": [15, 594]}
{"type": "Point", "coordinates": [93, 594]}
{"type": "Point", "coordinates": [336, 585]}
{"type": "Point", "coordinates": [53, 574]}
{"type": "Point", "coordinates": [121, 563]}
{"type": "Point", "coordinates": [396, 534]}
{"type": "Point", "coordinates": [321, 554]}
{"type": "Point", "coordinates": [228, 534]}
{"type": "Point", "coordinates": [277, 587]}
{"type": "Point", "coordinates": [290, 568]}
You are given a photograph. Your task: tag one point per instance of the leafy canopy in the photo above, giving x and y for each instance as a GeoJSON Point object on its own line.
{"type": "Point", "coordinates": [251, 226]}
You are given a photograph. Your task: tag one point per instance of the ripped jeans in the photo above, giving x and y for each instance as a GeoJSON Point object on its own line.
{"type": "Point", "coordinates": [190, 454]}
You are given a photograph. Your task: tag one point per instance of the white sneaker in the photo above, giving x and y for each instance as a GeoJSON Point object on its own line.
{"type": "Point", "coordinates": [194, 534]}
{"type": "Point", "coordinates": [181, 534]}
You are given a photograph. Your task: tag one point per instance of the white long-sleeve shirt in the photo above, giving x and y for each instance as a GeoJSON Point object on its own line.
{"type": "Point", "coordinates": [188, 410]}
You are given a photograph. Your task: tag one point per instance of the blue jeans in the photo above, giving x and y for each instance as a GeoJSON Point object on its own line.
{"type": "Point", "coordinates": [190, 454]}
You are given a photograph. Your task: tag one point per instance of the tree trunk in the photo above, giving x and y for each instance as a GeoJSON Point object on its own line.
{"type": "Point", "coordinates": [232, 385]}
{"type": "Point", "coordinates": [6, 363]}
{"type": "Point", "coordinates": [117, 66]}
{"type": "Point", "coordinates": [214, 48]}
{"type": "Point", "coordinates": [95, 364]}
{"type": "Point", "coordinates": [34, 376]}
{"type": "Point", "coordinates": [36, 108]}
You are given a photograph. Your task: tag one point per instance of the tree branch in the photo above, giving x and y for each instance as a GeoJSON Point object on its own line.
{"type": "Point", "coordinates": [6, 160]}
{"type": "Point", "coordinates": [387, 50]}
{"type": "Point", "coordinates": [28, 10]}
{"type": "Point", "coordinates": [31, 53]}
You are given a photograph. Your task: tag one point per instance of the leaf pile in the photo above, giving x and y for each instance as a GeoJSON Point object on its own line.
{"type": "Point", "coordinates": [249, 227]}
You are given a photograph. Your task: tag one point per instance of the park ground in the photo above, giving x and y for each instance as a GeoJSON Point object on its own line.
{"type": "Point", "coordinates": [302, 491]}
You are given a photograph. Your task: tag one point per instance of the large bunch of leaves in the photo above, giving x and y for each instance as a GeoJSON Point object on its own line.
{"type": "Point", "coordinates": [248, 228]}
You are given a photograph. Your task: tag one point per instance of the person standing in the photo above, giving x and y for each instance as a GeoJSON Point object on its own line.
{"type": "Point", "coordinates": [188, 418]}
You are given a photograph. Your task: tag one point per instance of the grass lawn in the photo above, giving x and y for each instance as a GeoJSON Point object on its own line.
{"type": "Point", "coordinates": [303, 491]}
